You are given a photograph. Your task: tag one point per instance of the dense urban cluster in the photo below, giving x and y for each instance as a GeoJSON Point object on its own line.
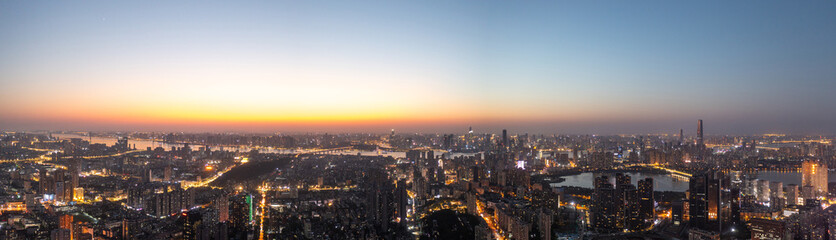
{"type": "Point", "coordinates": [116, 185]}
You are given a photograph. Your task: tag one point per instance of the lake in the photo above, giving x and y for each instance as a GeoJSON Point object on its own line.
{"type": "Point", "coordinates": [665, 182]}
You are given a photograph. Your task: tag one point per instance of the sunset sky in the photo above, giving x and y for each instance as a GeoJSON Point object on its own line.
{"type": "Point", "coordinates": [597, 67]}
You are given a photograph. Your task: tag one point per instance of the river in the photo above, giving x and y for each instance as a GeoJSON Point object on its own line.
{"type": "Point", "coordinates": [144, 144]}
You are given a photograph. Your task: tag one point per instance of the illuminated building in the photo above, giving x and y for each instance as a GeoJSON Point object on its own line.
{"type": "Point", "coordinates": [605, 206]}
{"type": "Point", "coordinates": [65, 222]}
{"type": "Point", "coordinates": [646, 202]}
{"type": "Point", "coordinates": [222, 204]}
{"type": "Point", "coordinates": [378, 198]}
{"type": "Point", "coordinates": [677, 212]}
{"type": "Point", "coordinates": [814, 173]}
{"type": "Point", "coordinates": [700, 140]}
{"type": "Point", "coordinates": [703, 201]}
{"type": "Point", "coordinates": [699, 234]}
{"type": "Point", "coordinates": [763, 191]}
{"type": "Point", "coordinates": [764, 229]}
{"type": "Point", "coordinates": [776, 194]}
{"type": "Point", "coordinates": [505, 142]}
{"type": "Point", "coordinates": [793, 194]}
{"type": "Point", "coordinates": [241, 212]}
{"type": "Point", "coordinates": [78, 194]}
{"type": "Point", "coordinates": [191, 223]}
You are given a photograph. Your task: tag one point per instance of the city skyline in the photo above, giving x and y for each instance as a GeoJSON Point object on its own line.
{"type": "Point", "coordinates": [542, 67]}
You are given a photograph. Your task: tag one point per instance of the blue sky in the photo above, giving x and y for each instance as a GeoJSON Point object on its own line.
{"type": "Point", "coordinates": [536, 66]}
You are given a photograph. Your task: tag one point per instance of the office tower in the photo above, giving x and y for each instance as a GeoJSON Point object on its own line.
{"type": "Point", "coordinates": [241, 212]}
{"type": "Point", "coordinates": [793, 194]}
{"type": "Point", "coordinates": [704, 201]}
{"type": "Point", "coordinates": [700, 140]}
{"type": "Point", "coordinates": [402, 200]}
{"type": "Point", "coordinates": [646, 202]}
{"type": "Point", "coordinates": [505, 143]}
{"type": "Point", "coordinates": [681, 136]}
{"type": "Point", "coordinates": [814, 173]}
{"type": "Point", "coordinates": [714, 203]}
{"type": "Point", "coordinates": [730, 207]}
{"type": "Point", "coordinates": [698, 200]}
{"type": "Point", "coordinates": [677, 212]}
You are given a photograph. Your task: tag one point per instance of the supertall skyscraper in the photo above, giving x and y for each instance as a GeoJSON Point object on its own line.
{"type": "Point", "coordinates": [700, 141]}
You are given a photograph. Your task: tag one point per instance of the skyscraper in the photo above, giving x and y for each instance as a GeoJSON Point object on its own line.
{"type": "Point", "coordinates": [793, 193]}
{"type": "Point", "coordinates": [700, 142]}
{"type": "Point", "coordinates": [646, 203]}
{"type": "Point", "coordinates": [814, 173]}
{"type": "Point", "coordinates": [605, 208]}
{"type": "Point", "coordinates": [378, 198]}
{"type": "Point", "coordinates": [222, 204]}
{"type": "Point", "coordinates": [698, 200]}
{"type": "Point", "coordinates": [192, 221]}
{"type": "Point", "coordinates": [505, 142]}
{"type": "Point", "coordinates": [241, 212]}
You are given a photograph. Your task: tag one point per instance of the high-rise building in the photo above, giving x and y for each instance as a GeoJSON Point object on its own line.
{"type": "Point", "coordinates": [402, 200]}
{"type": "Point", "coordinates": [505, 141]}
{"type": "Point", "coordinates": [222, 204]}
{"type": "Point", "coordinates": [192, 222]}
{"type": "Point", "coordinates": [167, 173]}
{"type": "Point", "coordinates": [776, 194]}
{"type": "Point", "coordinates": [814, 173]}
{"type": "Point", "coordinates": [379, 190]}
{"type": "Point", "coordinates": [631, 214]}
{"type": "Point", "coordinates": [646, 202]}
{"type": "Point", "coordinates": [793, 194]}
{"type": "Point", "coordinates": [700, 140]}
{"type": "Point", "coordinates": [678, 212]}
{"type": "Point", "coordinates": [763, 191]}
{"type": "Point", "coordinates": [605, 206]}
{"type": "Point", "coordinates": [65, 222]}
{"type": "Point", "coordinates": [704, 201]}
{"type": "Point", "coordinates": [241, 212]}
